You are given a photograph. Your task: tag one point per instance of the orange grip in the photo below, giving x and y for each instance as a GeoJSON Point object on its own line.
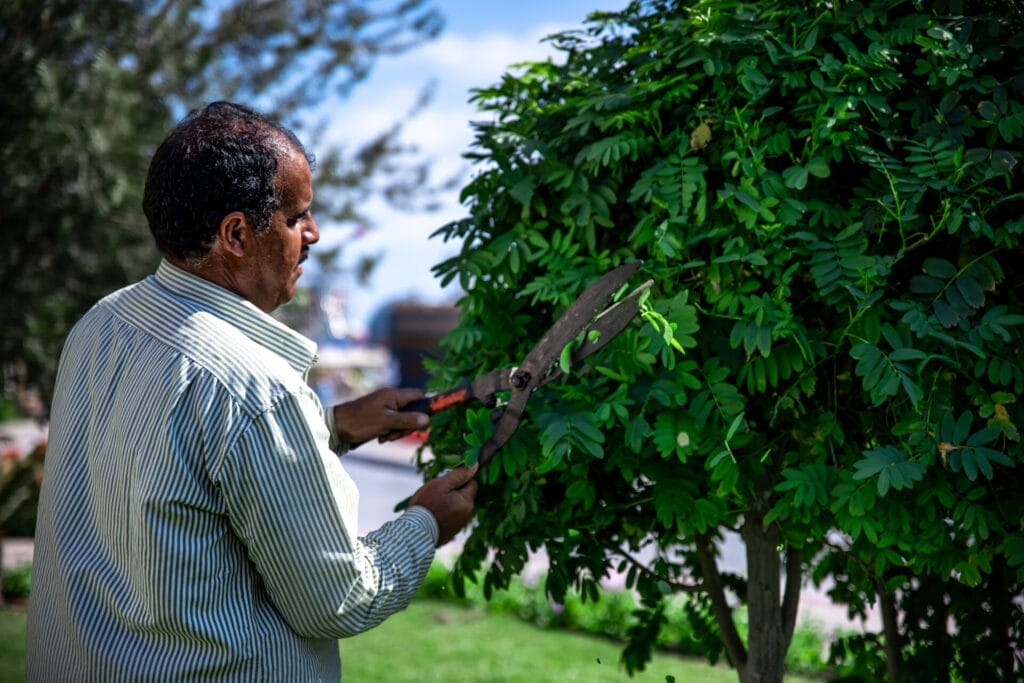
{"type": "Point", "coordinates": [448, 399]}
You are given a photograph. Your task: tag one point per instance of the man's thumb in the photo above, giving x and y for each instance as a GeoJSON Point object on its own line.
{"type": "Point", "coordinates": [460, 475]}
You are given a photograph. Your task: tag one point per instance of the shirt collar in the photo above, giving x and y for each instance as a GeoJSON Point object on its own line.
{"type": "Point", "coordinates": [297, 350]}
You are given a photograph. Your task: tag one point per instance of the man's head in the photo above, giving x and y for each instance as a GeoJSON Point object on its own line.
{"type": "Point", "coordinates": [228, 196]}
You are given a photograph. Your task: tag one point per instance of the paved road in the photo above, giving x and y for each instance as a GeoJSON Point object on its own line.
{"type": "Point", "coordinates": [382, 481]}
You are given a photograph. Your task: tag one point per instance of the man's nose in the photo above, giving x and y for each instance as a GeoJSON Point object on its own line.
{"type": "Point", "coordinates": [311, 234]}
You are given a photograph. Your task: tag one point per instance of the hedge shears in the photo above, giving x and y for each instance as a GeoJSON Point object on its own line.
{"type": "Point", "coordinates": [589, 323]}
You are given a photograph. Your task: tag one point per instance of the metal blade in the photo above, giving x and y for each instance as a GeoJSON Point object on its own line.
{"type": "Point", "coordinates": [536, 367]}
{"type": "Point", "coordinates": [609, 323]}
{"type": "Point", "coordinates": [576, 318]}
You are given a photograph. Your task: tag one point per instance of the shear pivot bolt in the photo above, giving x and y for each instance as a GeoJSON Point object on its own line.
{"type": "Point", "coordinates": [520, 379]}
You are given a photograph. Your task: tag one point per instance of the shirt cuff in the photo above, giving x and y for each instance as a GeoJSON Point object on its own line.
{"type": "Point", "coordinates": [425, 518]}
{"type": "Point", "coordinates": [337, 444]}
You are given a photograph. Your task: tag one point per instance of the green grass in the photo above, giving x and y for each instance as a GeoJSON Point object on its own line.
{"type": "Point", "coordinates": [438, 641]}
{"type": "Point", "coordinates": [12, 644]}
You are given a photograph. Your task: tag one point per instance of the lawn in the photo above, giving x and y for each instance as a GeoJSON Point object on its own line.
{"type": "Point", "coordinates": [438, 641]}
{"type": "Point", "coordinates": [448, 642]}
{"type": "Point", "coordinates": [12, 644]}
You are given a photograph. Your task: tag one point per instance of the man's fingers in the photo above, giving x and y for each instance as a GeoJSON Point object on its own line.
{"type": "Point", "coordinates": [460, 475]}
{"type": "Point", "coordinates": [407, 422]}
{"type": "Point", "coordinates": [470, 488]}
{"type": "Point", "coordinates": [405, 396]}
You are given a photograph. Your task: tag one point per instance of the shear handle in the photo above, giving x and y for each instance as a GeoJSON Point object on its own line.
{"type": "Point", "coordinates": [482, 389]}
{"type": "Point", "coordinates": [438, 402]}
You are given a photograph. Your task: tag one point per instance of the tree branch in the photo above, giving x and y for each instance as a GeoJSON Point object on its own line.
{"type": "Point", "coordinates": [791, 597]}
{"type": "Point", "coordinates": [679, 587]}
{"type": "Point", "coordinates": [715, 589]}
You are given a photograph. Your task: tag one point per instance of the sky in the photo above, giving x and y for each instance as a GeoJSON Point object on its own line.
{"type": "Point", "coordinates": [479, 43]}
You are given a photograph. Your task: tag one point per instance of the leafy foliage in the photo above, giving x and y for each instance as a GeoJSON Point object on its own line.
{"type": "Point", "coordinates": [17, 582]}
{"type": "Point", "coordinates": [827, 197]}
{"type": "Point", "coordinates": [92, 87]}
{"type": "Point", "coordinates": [20, 476]}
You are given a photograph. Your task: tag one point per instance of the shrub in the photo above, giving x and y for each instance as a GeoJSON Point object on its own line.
{"type": "Point", "coordinates": [17, 582]}
{"type": "Point", "coordinates": [827, 197]}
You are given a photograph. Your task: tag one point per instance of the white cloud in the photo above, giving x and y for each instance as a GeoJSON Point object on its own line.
{"type": "Point", "coordinates": [477, 61]}
{"type": "Point", "coordinates": [442, 133]}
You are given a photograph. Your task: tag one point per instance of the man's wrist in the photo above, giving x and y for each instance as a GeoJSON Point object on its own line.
{"type": "Point", "coordinates": [425, 518]}
{"type": "Point", "coordinates": [338, 443]}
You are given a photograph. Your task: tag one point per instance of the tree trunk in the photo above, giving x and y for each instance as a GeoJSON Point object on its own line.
{"type": "Point", "coordinates": [769, 628]}
{"type": "Point", "coordinates": [891, 632]}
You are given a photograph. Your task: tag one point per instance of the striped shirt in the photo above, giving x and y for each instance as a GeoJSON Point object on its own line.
{"type": "Point", "coordinates": [194, 523]}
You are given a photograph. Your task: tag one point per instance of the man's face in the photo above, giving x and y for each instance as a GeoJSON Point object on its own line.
{"type": "Point", "coordinates": [281, 250]}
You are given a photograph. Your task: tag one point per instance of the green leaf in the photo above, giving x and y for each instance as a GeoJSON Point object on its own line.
{"type": "Point", "coordinates": [913, 390]}
{"type": "Point", "coordinates": [939, 268]}
{"type": "Point", "coordinates": [565, 358]}
{"type": "Point", "coordinates": [581, 490]}
{"type": "Point", "coordinates": [881, 378]}
{"type": "Point", "coordinates": [818, 167]}
{"type": "Point", "coordinates": [554, 457]}
{"type": "Point", "coordinates": [1013, 546]}
{"type": "Point", "coordinates": [971, 291]}
{"type": "Point", "coordinates": [523, 190]}
{"type": "Point", "coordinates": [907, 354]}
{"type": "Point", "coordinates": [892, 468]}
{"type": "Point", "coordinates": [985, 436]}
{"type": "Point", "coordinates": [637, 431]}
{"type": "Point", "coordinates": [962, 427]}
{"type": "Point", "coordinates": [809, 484]}
{"type": "Point", "coordinates": [795, 177]}
{"type": "Point", "coordinates": [734, 426]}
{"type": "Point", "coordinates": [764, 340]}
{"type": "Point", "coordinates": [945, 313]}
{"type": "Point", "coordinates": [926, 284]}
{"type": "Point", "coordinates": [672, 500]}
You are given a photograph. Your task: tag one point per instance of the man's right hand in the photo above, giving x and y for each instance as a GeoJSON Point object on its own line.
{"type": "Point", "coordinates": [450, 499]}
{"type": "Point", "coordinates": [378, 415]}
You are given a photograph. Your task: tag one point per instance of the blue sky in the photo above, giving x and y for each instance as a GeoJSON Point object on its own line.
{"type": "Point", "coordinates": [480, 41]}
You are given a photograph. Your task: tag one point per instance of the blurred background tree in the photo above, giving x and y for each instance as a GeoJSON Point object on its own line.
{"type": "Point", "coordinates": [91, 87]}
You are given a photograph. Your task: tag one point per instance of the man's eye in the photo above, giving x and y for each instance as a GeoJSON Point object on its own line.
{"type": "Point", "coordinates": [292, 222]}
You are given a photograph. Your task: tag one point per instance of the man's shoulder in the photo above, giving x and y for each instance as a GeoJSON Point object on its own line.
{"type": "Point", "coordinates": [252, 373]}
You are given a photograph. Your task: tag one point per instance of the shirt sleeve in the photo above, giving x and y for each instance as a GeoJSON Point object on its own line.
{"type": "Point", "coordinates": [336, 443]}
{"type": "Point", "coordinates": [296, 509]}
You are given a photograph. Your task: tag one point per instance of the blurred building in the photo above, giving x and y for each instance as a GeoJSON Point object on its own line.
{"type": "Point", "coordinates": [411, 332]}
{"type": "Point", "coordinates": [346, 367]}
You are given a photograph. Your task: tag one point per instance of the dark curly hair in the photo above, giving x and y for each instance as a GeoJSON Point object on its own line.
{"type": "Point", "coordinates": [218, 159]}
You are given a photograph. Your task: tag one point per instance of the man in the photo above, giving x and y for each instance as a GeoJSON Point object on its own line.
{"type": "Point", "coordinates": [195, 522]}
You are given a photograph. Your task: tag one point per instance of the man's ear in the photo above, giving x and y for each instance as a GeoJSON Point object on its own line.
{"type": "Point", "coordinates": [234, 233]}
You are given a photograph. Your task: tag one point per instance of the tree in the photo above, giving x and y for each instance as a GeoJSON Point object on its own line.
{"type": "Point", "coordinates": [92, 87]}
{"type": "Point", "coordinates": [827, 197]}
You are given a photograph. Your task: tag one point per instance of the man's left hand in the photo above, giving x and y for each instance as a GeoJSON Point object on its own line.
{"type": "Point", "coordinates": [378, 416]}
